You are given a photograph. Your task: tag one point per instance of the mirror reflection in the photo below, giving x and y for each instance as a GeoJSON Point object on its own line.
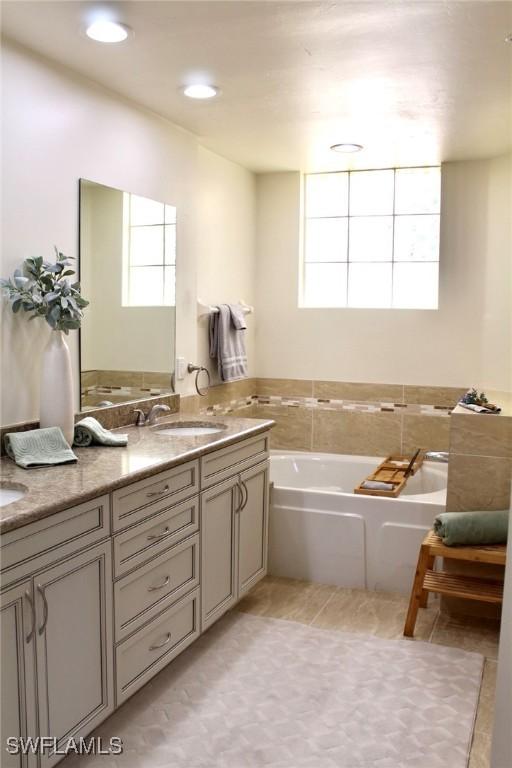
{"type": "Point", "coordinates": [128, 273]}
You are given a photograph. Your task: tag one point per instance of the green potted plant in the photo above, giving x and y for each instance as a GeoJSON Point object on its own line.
{"type": "Point", "coordinates": [42, 289]}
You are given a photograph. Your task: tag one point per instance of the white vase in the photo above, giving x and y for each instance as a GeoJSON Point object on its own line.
{"type": "Point", "coordinates": [56, 393]}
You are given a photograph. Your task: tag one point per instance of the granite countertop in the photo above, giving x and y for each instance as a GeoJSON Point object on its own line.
{"type": "Point", "coordinates": [100, 469]}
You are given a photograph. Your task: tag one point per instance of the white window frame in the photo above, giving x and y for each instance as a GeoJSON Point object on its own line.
{"type": "Point", "coordinates": [303, 255]}
{"type": "Point", "coordinates": [127, 266]}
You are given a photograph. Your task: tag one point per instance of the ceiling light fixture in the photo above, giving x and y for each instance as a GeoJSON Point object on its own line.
{"type": "Point", "coordinates": [508, 38]}
{"type": "Point", "coordinates": [346, 148]}
{"type": "Point", "coordinates": [200, 91]}
{"type": "Point", "coordinates": [104, 31]}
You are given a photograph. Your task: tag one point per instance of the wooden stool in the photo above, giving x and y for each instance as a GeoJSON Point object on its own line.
{"type": "Point", "coordinates": [469, 587]}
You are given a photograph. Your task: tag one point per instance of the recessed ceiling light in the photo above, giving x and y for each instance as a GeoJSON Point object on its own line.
{"type": "Point", "coordinates": [347, 147]}
{"type": "Point", "coordinates": [508, 38]}
{"type": "Point", "coordinates": [104, 31]}
{"type": "Point", "coordinates": [200, 91]}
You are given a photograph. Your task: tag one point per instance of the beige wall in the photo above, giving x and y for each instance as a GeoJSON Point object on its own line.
{"type": "Point", "coordinates": [58, 128]}
{"type": "Point", "coordinates": [225, 245]}
{"type": "Point", "coordinates": [115, 337]}
{"type": "Point", "coordinates": [466, 342]}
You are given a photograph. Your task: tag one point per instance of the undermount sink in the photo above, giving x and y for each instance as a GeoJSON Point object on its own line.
{"type": "Point", "coordinates": [10, 492]}
{"type": "Point", "coordinates": [189, 429]}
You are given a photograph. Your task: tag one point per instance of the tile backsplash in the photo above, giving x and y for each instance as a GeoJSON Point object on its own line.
{"type": "Point", "coordinates": [338, 417]}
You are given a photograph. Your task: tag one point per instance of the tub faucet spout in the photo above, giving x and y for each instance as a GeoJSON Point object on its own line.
{"type": "Point", "coordinates": [438, 456]}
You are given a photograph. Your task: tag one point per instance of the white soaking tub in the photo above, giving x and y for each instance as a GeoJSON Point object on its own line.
{"type": "Point", "coordinates": [320, 530]}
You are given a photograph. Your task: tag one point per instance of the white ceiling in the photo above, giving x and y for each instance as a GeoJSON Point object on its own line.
{"type": "Point", "coordinates": [414, 82]}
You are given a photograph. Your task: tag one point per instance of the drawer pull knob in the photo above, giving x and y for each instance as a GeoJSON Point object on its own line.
{"type": "Point", "coordinates": [161, 645]}
{"type": "Point", "coordinates": [160, 586]}
{"type": "Point", "coordinates": [162, 535]}
{"type": "Point", "coordinates": [158, 493]}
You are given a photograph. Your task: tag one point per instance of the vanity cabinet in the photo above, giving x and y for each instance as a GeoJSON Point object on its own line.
{"type": "Point", "coordinates": [234, 531]}
{"type": "Point", "coordinates": [99, 598]}
{"type": "Point", "coordinates": [73, 642]}
{"type": "Point", "coordinates": [18, 696]}
{"type": "Point", "coordinates": [57, 667]}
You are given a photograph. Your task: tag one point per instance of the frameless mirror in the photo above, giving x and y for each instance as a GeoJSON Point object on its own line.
{"type": "Point", "coordinates": [127, 272]}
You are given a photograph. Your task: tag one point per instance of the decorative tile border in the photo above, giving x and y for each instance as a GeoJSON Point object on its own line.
{"type": "Point", "coordinates": [325, 404]}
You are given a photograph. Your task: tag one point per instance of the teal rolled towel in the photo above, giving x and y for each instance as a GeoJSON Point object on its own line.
{"type": "Point", "coordinates": [89, 431]}
{"type": "Point", "coordinates": [38, 447]}
{"type": "Point", "coordinates": [472, 528]}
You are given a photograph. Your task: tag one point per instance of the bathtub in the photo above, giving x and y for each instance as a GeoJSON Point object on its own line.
{"type": "Point", "coordinates": [321, 531]}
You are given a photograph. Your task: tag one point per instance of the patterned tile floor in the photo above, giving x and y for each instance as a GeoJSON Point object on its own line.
{"type": "Point", "coordinates": [383, 614]}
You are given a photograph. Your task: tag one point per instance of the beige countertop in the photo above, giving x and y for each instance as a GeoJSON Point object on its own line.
{"type": "Point", "coordinates": [100, 469]}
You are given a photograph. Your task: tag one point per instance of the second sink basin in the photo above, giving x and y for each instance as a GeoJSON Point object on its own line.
{"type": "Point", "coordinates": [10, 492]}
{"type": "Point", "coordinates": [188, 429]}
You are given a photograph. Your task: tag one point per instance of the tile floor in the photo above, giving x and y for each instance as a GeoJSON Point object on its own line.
{"type": "Point", "coordinates": [383, 614]}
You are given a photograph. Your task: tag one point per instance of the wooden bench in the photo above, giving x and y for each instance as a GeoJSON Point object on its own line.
{"type": "Point", "coordinates": [468, 587]}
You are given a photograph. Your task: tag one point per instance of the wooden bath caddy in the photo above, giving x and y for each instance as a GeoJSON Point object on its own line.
{"type": "Point", "coordinates": [391, 470]}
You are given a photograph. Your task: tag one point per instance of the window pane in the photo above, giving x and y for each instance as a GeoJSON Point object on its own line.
{"type": "Point", "coordinates": [369, 285]}
{"type": "Point", "coordinates": [146, 286]}
{"type": "Point", "coordinates": [170, 244]}
{"type": "Point", "coordinates": [170, 214]}
{"type": "Point", "coordinates": [415, 286]}
{"type": "Point", "coordinates": [325, 285]}
{"type": "Point", "coordinates": [371, 238]}
{"type": "Point", "coordinates": [327, 194]}
{"type": "Point", "coordinates": [146, 245]}
{"type": "Point", "coordinates": [145, 211]}
{"type": "Point", "coordinates": [326, 239]}
{"type": "Point", "coordinates": [170, 286]}
{"type": "Point", "coordinates": [417, 238]}
{"type": "Point", "coordinates": [418, 190]}
{"type": "Point", "coordinates": [371, 192]}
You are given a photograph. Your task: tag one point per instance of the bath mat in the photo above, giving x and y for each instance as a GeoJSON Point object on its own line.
{"type": "Point", "coordinates": [255, 692]}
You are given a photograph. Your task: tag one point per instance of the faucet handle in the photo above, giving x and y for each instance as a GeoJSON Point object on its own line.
{"type": "Point", "coordinates": [141, 417]}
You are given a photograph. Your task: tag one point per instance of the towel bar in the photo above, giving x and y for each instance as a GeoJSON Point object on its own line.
{"type": "Point", "coordinates": [206, 309]}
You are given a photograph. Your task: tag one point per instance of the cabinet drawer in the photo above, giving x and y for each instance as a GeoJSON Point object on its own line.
{"type": "Point", "coordinates": [144, 654]}
{"type": "Point", "coordinates": [145, 592]}
{"type": "Point", "coordinates": [34, 546]}
{"type": "Point", "coordinates": [221, 464]}
{"type": "Point", "coordinates": [150, 496]}
{"type": "Point", "coordinates": [138, 544]}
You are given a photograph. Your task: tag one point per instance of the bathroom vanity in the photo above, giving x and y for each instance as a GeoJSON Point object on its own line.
{"type": "Point", "coordinates": [100, 594]}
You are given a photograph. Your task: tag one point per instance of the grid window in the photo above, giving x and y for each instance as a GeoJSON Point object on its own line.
{"type": "Point", "coordinates": [149, 252]}
{"type": "Point", "coordinates": [371, 239]}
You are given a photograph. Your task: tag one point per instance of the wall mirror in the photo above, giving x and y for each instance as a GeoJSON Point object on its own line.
{"type": "Point", "coordinates": [127, 272]}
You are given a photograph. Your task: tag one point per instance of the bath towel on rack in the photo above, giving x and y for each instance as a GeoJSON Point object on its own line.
{"type": "Point", "coordinates": [227, 345]}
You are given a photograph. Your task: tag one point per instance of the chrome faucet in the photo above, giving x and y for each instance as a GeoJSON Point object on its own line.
{"type": "Point", "coordinates": [142, 420]}
{"type": "Point", "coordinates": [441, 457]}
{"type": "Point", "coordinates": [155, 410]}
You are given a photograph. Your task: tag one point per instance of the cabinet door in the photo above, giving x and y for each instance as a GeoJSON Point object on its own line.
{"type": "Point", "coordinates": [18, 697]}
{"type": "Point", "coordinates": [218, 550]}
{"type": "Point", "coordinates": [253, 526]}
{"type": "Point", "coordinates": [74, 645]}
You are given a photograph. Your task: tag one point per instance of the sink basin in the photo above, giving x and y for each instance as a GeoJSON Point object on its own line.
{"type": "Point", "coordinates": [189, 429]}
{"type": "Point", "coordinates": [10, 492]}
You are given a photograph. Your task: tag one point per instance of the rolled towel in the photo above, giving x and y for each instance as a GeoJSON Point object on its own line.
{"type": "Point", "coordinates": [377, 485]}
{"type": "Point", "coordinates": [89, 431]}
{"type": "Point", "coordinates": [472, 528]}
{"type": "Point", "coordinates": [38, 447]}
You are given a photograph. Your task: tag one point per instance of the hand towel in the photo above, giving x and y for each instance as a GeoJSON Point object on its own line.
{"type": "Point", "coordinates": [38, 447]}
{"type": "Point", "coordinates": [237, 317]}
{"type": "Point", "coordinates": [472, 528]}
{"type": "Point", "coordinates": [227, 345]}
{"type": "Point", "coordinates": [89, 431]}
{"type": "Point", "coordinates": [480, 408]}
